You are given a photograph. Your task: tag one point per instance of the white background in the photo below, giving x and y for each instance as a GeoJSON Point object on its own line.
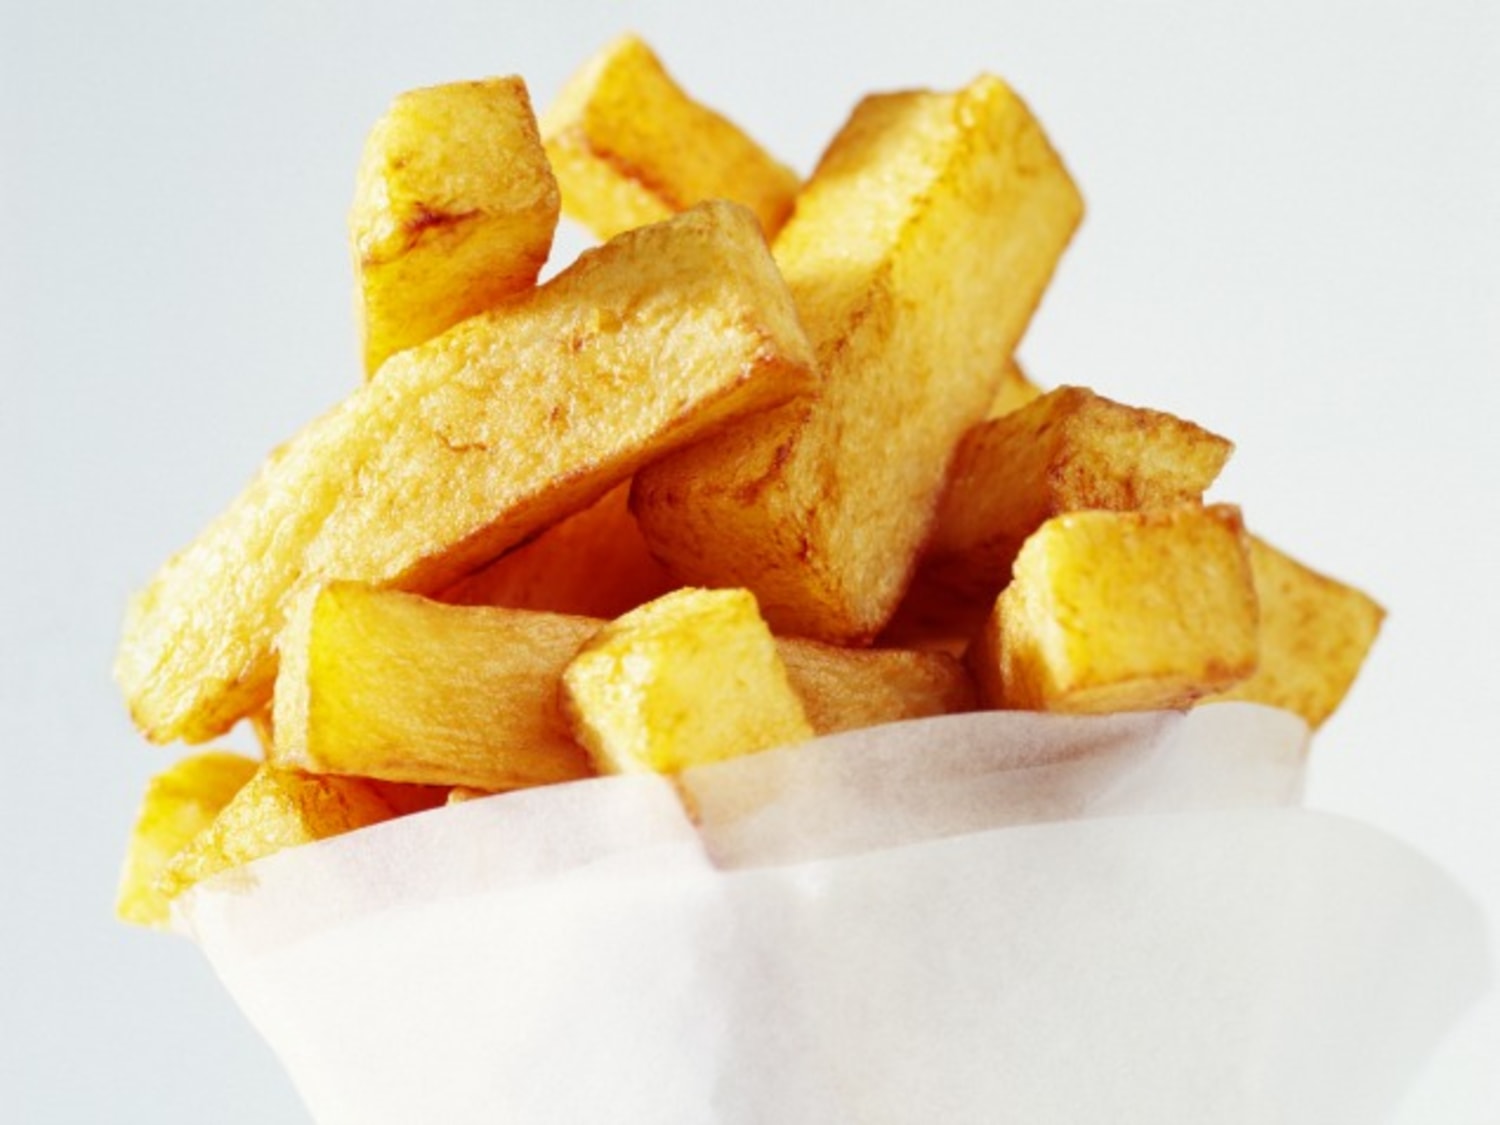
{"type": "Point", "coordinates": [1292, 238]}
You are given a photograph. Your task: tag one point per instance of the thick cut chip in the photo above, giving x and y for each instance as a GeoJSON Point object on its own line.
{"type": "Point", "coordinates": [276, 809]}
{"type": "Point", "coordinates": [1122, 611]}
{"type": "Point", "coordinates": [595, 563]}
{"type": "Point", "coordinates": [180, 802]}
{"type": "Point", "coordinates": [1314, 635]}
{"type": "Point", "coordinates": [1016, 390]}
{"type": "Point", "coordinates": [916, 255]}
{"type": "Point", "coordinates": [398, 687]}
{"type": "Point", "coordinates": [848, 689]}
{"type": "Point", "coordinates": [455, 206]}
{"type": "Point", "coordinates": [630, 147]}
{"type": "Point", "coordinates": [467, 445]}
{"type": "Point", "coordinates": [1069, 450]}
{"type": "Point", "coordinates": [691, 678]}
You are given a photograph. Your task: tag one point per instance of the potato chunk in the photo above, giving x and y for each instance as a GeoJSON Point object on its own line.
{"type": "Point", "coordinates": [398, 687]}
{"type": "Point", "coordinates": [1067, 451]}
{"type": "Point", "coordinates": [916, 255]}
{"type": "Point", "coordinates": [1122, 611]}
{"type": "Point", "coordinates": [276, 809]}
{"type": "Point", "coordinates": [465, 446]}
{"type": "Point", "coordinates": [595, 563]}
{"type": "Point", "coordinates": [454, 208]}
{"type": "Point", "coordinates": [180, 802]}
{"type": "Point", "coordinates": [1315, 633]}
{"type": "Point", "coordinates": [691, 678]}
{"type": "Point", "coordinates": [631, 147]}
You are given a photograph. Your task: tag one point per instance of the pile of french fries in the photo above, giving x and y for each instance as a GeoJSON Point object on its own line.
{"type": "Point", "coordinates": [759, 467]}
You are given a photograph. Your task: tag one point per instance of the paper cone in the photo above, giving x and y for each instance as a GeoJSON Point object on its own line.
{"type": "Point", "coordinates": [981, 918]}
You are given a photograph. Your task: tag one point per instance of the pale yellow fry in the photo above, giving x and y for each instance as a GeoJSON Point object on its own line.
{"type": "Point", "coordinates": [691, 678]}
{"type": "Point", "coordinates": [455, 206]}
{"type": "Point", "coordinates": [395, 686]}
{"type": "Point", "coordinates": [179, 803]}
{"type": "Point", "coordinates": [630, 146]}
{"type": "Point", "coordinates": [276, 809]}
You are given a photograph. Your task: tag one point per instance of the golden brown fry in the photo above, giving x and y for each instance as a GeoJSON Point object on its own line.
{"type": "Point", "coordinates": [454, 208]}
{"type": "Point", "coordinates": [691, 678]}
{"type": "Point", "coordinates": [1122, 611]}
{"type": "Point", "coordinates": [395, 686]}
{"type": "Point", "coordinates": [1315, 633]}
{"type": "Point", "coordinates": [180, 802]}
{"type": "Point", "coordinates": [916, 254]}
{"type": "Point", "coordinates": [630, 148]}
{"type": "Point", "coordinates": [1067, 451]}
{"type": "Point", "coordinates": [847, 689]}
{"type": "Point", "coordinates": [274, 810]}
{"type": "Point", "coordinates": [594, 563]}
{"type": "Point", "coordinates": [465, 446]}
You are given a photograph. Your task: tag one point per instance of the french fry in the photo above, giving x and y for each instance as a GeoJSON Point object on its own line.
{"type": "Point", "coordinates": [398, 687]}
{"type": "Point", "coordinates": [560, 530]}
{"type": "Point", "coordinates": [455, 206]}
{"type": "Point", "coordinates": [1067, 451]}
{"type": "Point", "coordinates": [180, 802]}
{"type": "Point", "coordinates": [1315, 633]}
{"type": "Point", "coordinates": [916, 255]}
{"type": "Point", "coordinates": [274, 810]}
{"type": "Point", "coordinates": [1122, 611]}
{"type": "Point", "coordinates": [846, 689]}
{"type": "Point", "coordinates": [630, 147]}
{"type": "Point", "coordinates": [691, 678]}
{"type": "Point", "coordinates": [594, 563]}
{"type": "Point", "coordinates": [465, 446]}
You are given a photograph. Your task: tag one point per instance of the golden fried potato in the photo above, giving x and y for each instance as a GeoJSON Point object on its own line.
{"type": "Point", "coordinates": [395, 686]}
{"type": "Point", "coordinates": [1016, 390]}
{"type": "Point", "coordinates": [630, 147]}
{"type": "Point", "coordinates": [1067, 451]}
{"type": "Point", "coordinates": [1315, 633]}
{"type": "Point", "coordinates": [276, 809]}
{"type": "Point", "coordinates": [594, 563]}
{"type": "Point", "coordinates": [1122, 611]}
{"type": "Point", "coordinates": [916, 255]}
{"type": "Point", "coordinates": [690, 678]}
{"type": "Point", "coordinates": [180, 802]}
{"type": "Point", "coordinates": [467, 445]}
{"type": "Point", "coordinates": [847, 689]}
{"type": "Point", "coordinates": [454, 208]}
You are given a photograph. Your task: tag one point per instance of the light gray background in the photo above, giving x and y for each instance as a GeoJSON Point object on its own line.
{"type": "Point", "coordinates": [1292, 238]}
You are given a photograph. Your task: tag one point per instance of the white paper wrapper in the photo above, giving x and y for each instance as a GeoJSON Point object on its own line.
{"type": "Point", "coordinates": [984, 918]}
